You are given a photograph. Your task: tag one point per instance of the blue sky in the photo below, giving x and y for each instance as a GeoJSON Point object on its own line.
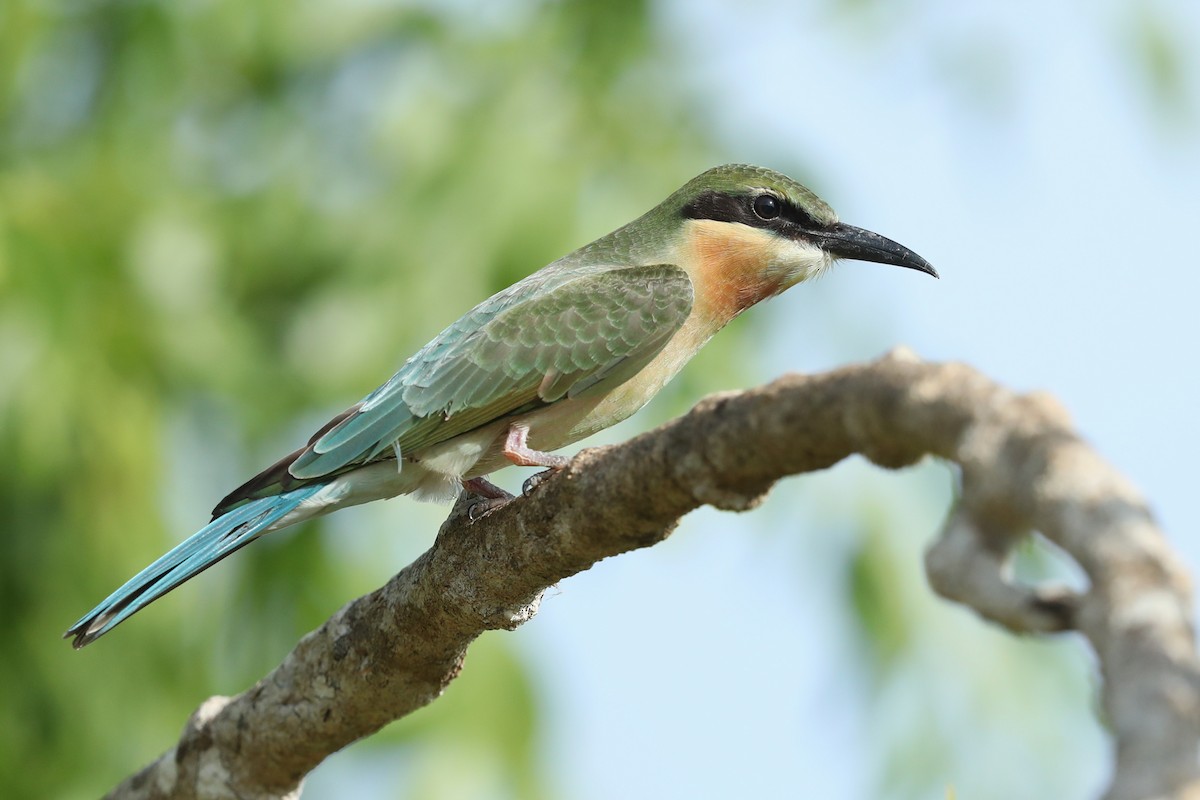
{"type": "Point", "coordinates": [1059, 212]}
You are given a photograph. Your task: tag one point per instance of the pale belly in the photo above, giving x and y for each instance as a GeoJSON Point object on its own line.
{"type": "Point", "coordinates": [567, 421]}
{"type": "Point", "coordinates": [435, 473]}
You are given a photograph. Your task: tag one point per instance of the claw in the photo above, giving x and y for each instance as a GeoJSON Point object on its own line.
{"type": "Point", "coordinates": [491, 497]}
{"type": "Point", "coordinates": [478, 510]}
{"type": "Point", "coordinates": [534, 481]}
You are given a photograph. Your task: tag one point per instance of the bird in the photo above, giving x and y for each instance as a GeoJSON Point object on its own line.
{"type": "Point", "coordinates": [569, 350]}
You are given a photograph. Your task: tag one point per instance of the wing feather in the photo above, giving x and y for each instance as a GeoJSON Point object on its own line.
{"type": "Point", "coordinates": [527, 347]}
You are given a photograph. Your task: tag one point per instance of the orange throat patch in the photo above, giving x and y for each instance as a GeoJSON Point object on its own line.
{"type": "Point", "coordinates": [730, 266]}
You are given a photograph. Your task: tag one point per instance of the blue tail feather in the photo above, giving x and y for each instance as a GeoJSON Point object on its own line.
{"type": "Point", "coordinates": [349, 441]}
{"type": "Point", "coordinates": [219, 538]}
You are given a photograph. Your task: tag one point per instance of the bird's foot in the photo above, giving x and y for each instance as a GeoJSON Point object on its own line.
{"type": "Point", "coordinates": [491, 497]}
{"type": "Point", "coordinates": [481, 508]}
{"type": "Point", "coordinates": [517, 450]}
{"type": "Point", "coordinates": [534, 481]}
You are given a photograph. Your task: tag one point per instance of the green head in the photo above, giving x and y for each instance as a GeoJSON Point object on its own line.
{"type": "Point", "coordinates": [789, 214]}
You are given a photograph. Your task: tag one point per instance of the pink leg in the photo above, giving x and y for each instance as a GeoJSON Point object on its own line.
{"type": "Point", "coordinates": [493, 497]}
{"type": "Point", "coordinates": [485, 489]}
{"type": "Point", "coordinates": [516, 449]}
{"type": "Point", "coordinates": [518, 452]}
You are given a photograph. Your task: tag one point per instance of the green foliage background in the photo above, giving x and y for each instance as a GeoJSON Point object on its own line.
{"type": "Point", "coordinates": [220, 221]}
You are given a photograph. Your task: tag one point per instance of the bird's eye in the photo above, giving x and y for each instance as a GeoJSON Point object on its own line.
{"type": "Point", "coordinates": [767, 206]}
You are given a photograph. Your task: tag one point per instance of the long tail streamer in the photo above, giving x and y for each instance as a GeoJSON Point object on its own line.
{"type": "Point", "coordinates": [224, 535]}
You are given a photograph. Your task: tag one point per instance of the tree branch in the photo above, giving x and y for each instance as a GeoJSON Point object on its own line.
{"type": "Point", "coordinates": [1023, 469]}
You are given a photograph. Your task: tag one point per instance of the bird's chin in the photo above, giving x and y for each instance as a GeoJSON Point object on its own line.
{"type": "Point", "coordinates": [819, 267]}
{"type": "Point", "coordinates": [800, 261]}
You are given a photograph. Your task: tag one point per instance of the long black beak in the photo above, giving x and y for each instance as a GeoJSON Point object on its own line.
{"type": "Point", "coordinates": [847, 241]}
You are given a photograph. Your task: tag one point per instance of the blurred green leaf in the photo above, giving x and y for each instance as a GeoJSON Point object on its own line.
{"type": "Point", "coordinates": [1159, 56]}
{"type": "Point", "coordinates": [228, 220]}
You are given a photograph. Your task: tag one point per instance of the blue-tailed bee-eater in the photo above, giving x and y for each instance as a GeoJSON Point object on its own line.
{"type": "Point", "coordinates": [577, 346]}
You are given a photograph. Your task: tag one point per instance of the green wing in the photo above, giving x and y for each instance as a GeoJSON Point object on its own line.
{"type": "Point", "coordinates": [544, 339]}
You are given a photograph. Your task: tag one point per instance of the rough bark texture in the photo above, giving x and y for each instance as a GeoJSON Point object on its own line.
{"type": "Point", "coordinates": [1023, 469]}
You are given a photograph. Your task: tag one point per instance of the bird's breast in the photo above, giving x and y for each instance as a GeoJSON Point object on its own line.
{"type": "Point", "coordinates": [733, 267]}
{"type": "Point", "coordinates": [572, 419]}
